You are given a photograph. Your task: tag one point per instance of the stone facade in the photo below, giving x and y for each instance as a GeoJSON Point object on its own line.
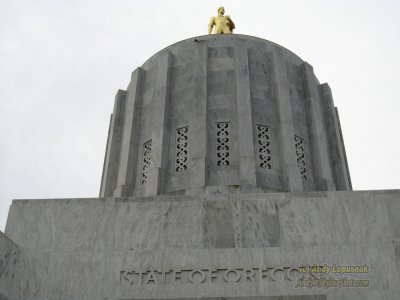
{"type": "Point", "coordinates": [253, 113]}
{"type": "Point", "coordinates": [225, 177]}
{"type": "Point", "coordinates": [215, 246]}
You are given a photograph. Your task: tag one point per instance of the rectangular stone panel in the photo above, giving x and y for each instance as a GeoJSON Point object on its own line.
{"type": "Point", "coordinates": [221, 88]}
{"type": "Point", "coordinates": [260, 224]}
{"type": "Point", "coordinates": [9, 256]}
{"type": "Point", "coordinates": [270, 179]}
{"type": "Point", "coordinates": [219, 64]}
{"type": "Point", "coordinates": [221, 76]}
{"type": "Point", "coordinates": [260, 79]}
{"type": "Point", "coordinates": [291, 178]}
{"type": "Point", "coordinates": [182, 55]}
{"type": "Point", "coordinates": [180, 95]}
{"type": "Point", "coordinates": [393, 208]}
{"type": "Point", "coordinates": [180, 82]}
{"type": "Point", "coordinates": [259, 62]}
{"type": "Point", "coordinates": [307, 219]}
{"type": "Point", "coordinates": [217, 225]}
{"type": "Point", "coordinates": [221, 52]}
{"type": "Point", "coordinates": [214, 233]}
{"type": "Point", "coordinates": [182, 70]}
{"type": "Point", "coordinates": [221, 102]}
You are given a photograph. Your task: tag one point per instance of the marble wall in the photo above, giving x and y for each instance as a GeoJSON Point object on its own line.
{"type": "Point", "coordinates": [244, 245]}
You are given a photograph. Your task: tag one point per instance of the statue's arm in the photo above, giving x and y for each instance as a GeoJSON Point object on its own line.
{"type": "Point", "coordinates": [231, 24]}
{"type": "Point", "coordinates": [211, 24]}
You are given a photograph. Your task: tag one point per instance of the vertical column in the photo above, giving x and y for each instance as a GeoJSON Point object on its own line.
{"type": "Point", "coordinates": [287, 155]}
{"type": "Point", "coordinates": [319, 144]}
{"type": "Point", "coordinates": [340, 167]}
{"type": "Point", "coordinates": [198, 124]}
{"type": "Point", "coordinates": [247, 167]}
{"type": "Point", "coordinates": [111, 158]}
{"type": "Point", "coordinates": [129, 147]}
{"type": "Point", "coordinates": [160, 127]}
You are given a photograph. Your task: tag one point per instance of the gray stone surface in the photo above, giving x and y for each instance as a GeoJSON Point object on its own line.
{"type": "Point", "coordinates": [127, 149]}
{"type": "Point", "coordinates": [336, 146]}
{"type": "Point", "coordinates": [86, 248]}
{"type": "Point", "coordinates": [318, 135]}
{"type": "Point", "coordinates": [287, 157]}
{"type": "Point", "coordinates": [176, 221]}
{"type": "Point", "coordinates": [9, 255]}
{"type": "Point", "coordinates": [236, 79]}
{"type": "Point", "coordinates": [112, 157]}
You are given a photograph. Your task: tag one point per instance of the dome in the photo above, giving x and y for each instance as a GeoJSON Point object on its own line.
{"type": "Point", "coordinates": [230, 112]}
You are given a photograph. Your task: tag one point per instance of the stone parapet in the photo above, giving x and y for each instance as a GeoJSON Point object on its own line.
{"type": "Point", "coordinates": [215, 245]}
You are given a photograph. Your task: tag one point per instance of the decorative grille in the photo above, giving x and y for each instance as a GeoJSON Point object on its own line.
{"type": "Point", "coordinates": [223, 144]}
{"type": "Point", "coordinates": [146, 161]}
{"type": "Point", "coordinates": [300, 155]}
{"type": "Point", "coordinates": [264, 148]}
{"type": "Point", "coordinates": [181, 149]}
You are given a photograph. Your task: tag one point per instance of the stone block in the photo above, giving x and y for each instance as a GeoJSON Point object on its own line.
{"type": "Point", "coordinates": [247, 171]}
{"type": "Point", "coordinates": [219, 64]}
{"type": "Point", "coordinates": [216, 230]}
{"type": "Point", "coordinates": [9, 258]}
{"type": "Point", "coordinates": [217, 225]}
{"type": "Point", "coordinates": [221, 102]}
{"type": "Point", "coordinates": [221, 76]}
{"type": "Point", "coordinates": [221, 52]}
{"type": "Point", "coordinates": [200, 165]}
{"type": "Point", "coordinates": [393, 207]}
{"type": "Point", "coordinates": [179, 79]}
{"type": "Point", "coordinates": [269, 180]}
{"type": "Point", "coordinates": [182, 70]}
{"type": "Point", "coordinates": [260, 225]}
{"type": "Point", "coordinates": [222, 88]}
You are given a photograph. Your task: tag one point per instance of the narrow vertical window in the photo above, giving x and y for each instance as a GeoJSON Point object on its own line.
{"type": "Point", "coordinates": [264, 148]}
{"type": "Point", "coordinates": [146, 161]}
{"type": "Point", "coordinates": [300, 156]}
{"type": "Point", "coordinates": [223, 144]}
{"type": "Point", "coordinates": [181, 150]}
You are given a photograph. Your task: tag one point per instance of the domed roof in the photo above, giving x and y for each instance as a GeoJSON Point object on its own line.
{"type": "Point", "coordinates": [224, 110]}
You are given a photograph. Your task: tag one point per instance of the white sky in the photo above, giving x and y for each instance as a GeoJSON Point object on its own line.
{"type": "Point", "coordinates": [61, 63]}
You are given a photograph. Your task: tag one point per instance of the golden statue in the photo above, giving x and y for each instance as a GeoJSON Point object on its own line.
{"type": "Point", "coordinates": [223, 24]}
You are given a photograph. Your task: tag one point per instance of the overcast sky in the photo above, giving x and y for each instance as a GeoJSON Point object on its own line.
{"type": "Point", "coordinates": [61, 63]}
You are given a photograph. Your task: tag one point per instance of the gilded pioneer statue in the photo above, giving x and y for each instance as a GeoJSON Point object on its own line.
{"type": "Point", "coordinates": [223, 24]}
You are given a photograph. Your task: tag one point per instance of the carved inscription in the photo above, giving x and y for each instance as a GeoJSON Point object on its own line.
{"type": "Point", "coordinates": [199, 276]}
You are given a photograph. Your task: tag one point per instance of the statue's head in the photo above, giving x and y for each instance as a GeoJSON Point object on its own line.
{"type": "Point", "coordinates": [221, 10]}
